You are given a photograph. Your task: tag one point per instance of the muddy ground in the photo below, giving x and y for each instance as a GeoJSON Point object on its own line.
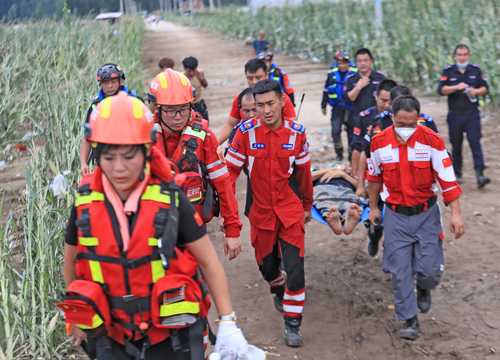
{"type": "Point", "coordinates": [349, 314]}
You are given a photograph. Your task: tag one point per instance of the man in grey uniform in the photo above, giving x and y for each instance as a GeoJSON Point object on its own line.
{"type": "Point", "coordinates": [406, 160]}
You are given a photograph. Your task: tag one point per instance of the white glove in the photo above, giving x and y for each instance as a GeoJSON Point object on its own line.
{"type": "Point", "coordinates": [231, 344]}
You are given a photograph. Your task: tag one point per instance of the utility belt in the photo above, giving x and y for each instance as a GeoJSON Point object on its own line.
{"type": "Point", "coordinates": [413, 210]}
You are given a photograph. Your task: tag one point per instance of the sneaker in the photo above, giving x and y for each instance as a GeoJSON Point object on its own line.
{"type": "Point", "coordinates": [410, 330]}
{"type": "Point", "coordinates": [340, 157]}
{"type": "Point", "coordinates": [291, 333]}
{"type": "Point", "coordinates": [424, 300]}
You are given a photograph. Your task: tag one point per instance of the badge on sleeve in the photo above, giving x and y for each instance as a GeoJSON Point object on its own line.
{"type": "Point", "coordinates": [443, 78]}
{"type": "Point", "coordinates": [447, 162]}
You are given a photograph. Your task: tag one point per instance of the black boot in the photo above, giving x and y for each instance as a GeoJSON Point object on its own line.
{"type": "Point", "coordinates": [424, 300]}
{"type": "Point", "coordinates": [482, 180]}
{"type": "Point", "coordinates": [410, 330]}
{"type": "Point", "coordinates": [278, 302]}
{"type": "Point", "coordinates": [291, 333]}
{"type": "Point", "coordinates": [339, 150]}
{"type": "Point", "coordinates": [375, 233]}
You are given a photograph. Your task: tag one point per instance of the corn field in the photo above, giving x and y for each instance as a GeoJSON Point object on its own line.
{"type": "Point", "coordinates": [47, 77]}
{"type": "Point", "coordinates": [414, 43]}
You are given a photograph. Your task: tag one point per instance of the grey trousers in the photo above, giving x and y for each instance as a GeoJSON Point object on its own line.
{"type": "Point", "coordinates": [412, 252]}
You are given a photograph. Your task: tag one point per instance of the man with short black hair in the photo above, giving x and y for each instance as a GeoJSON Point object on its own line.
{"type": "Point", "coordinates": [463, 84]}
{"type": "Point", "coordinates": [274, 151]}
{"type": "Point", "coordinates": [366, 119]}
{"type": "Point", "coordinates": [406, 160]}
{"type": "Point", "coordinates": [199, 82]}
{"type": "Point", "coordinates": [255, 71]}
{"type": "Point", "coordinates": [360, 87]}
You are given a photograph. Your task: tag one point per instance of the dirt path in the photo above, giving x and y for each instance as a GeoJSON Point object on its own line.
{"type": "Point", "coordinates": [348, 311]}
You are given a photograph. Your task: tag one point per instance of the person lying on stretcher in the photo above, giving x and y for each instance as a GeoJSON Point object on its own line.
{"type": "Point", "coordinates": [335, 200]}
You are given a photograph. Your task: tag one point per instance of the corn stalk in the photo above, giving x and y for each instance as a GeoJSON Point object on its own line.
{"type": "Point", "coordinates": [47, 79]}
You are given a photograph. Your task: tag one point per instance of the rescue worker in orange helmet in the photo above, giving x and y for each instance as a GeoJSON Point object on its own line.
{"type": "Point", "coordinates": [111, 79]}
{"type": "Point", "coordinates": [187, 140]}
{"type": "Point", "coordinates": [133, 248]}
{"type": "Point", "coordinates": [275, 153]}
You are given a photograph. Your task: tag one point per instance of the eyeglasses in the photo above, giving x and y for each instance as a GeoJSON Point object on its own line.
{"type": "Point", "coordinates": [171, 113]}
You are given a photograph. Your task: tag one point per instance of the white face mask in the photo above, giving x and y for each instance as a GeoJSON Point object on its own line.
{"type": "Point", "coordinates": [462, 66]}
{"type": "Point", "coordinates": [404, 132]}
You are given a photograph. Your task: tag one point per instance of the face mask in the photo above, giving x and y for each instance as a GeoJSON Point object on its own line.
{"type": "Point", "coordinates": [462, 66]}
{"type": "Point", "coordinates": [404, 132]}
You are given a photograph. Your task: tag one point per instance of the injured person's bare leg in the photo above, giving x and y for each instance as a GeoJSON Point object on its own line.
{"type": "Point", "coordinates": [333, 219]}
{"type": "Point", "coordinates": [353, 214]}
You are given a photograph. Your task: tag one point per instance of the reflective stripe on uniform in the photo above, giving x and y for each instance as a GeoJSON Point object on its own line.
{"type": "Point", "coordinates": [233, 160]}
{"type": "Point", "coordinates": [96, 322]}
{"type": "Point", "coordinates": [87, 199]}
{"type": "Point", "coordinates": [157, 270]}
{"type": "Point", "coordinates": [303, 160]}
{"type": "Point", "coordinates": [293, 309]}
{"type": "Point", "coordinates": [214, 164]}
{"type": "Point", "coordinates": [153, 192]}
{"type": "Point", "coordinates": [218, 173]}
{"type": "Point", "coordinates": [88, 241]}
{"type": "Point", "coordinates": [291, 159]}
{"type": "Point", "coordinates": [96, 272]}
{"type": "Point", "coordinates": [183, 307]}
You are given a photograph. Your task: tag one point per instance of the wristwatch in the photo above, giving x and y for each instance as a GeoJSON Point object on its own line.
{"type": "Point", "coordinates": [228, 317]}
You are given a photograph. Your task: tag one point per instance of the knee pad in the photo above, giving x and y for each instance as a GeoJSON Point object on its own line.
{"type": "Point", "coordinates": [428, 282]}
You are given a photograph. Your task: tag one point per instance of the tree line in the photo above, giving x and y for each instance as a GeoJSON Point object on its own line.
{"type": "Point", "coordinates": [26, 9]}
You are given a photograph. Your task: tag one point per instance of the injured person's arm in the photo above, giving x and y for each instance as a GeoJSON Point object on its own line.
{"type": "Point", "coordinates": [326, 175]}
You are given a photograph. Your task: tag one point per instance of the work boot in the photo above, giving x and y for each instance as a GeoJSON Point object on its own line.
{"type": "Point", "coordinates": [291, 333]}
{"type": "Point", "coordinates": [424, 300]}
{"type": "Point", "coordinates": [482, 180]}
{"type": "Point", "coordinates": [340, 153]}
{"type": "Point", "coordinates": [410, 330]}
{"type": "Point", "coordinates": [278, 302]}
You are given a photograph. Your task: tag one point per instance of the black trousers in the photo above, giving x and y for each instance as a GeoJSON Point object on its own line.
{"type": "Point", "coordinates": [470, 124]}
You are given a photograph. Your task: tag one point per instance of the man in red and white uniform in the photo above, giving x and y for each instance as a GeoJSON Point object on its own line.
{"type": "Point", "coordinates": [255, 71]}
{"type": "Point", "coordinates": [275, 153]}
{"type": "Point", "coordinates": [406, 160]}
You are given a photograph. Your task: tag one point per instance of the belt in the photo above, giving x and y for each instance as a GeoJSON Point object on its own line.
{"type": "Point", "coordinates": [413, 210]}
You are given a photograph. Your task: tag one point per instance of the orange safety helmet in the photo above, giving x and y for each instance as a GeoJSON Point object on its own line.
{"type": "Point", "coordinates": [120, 120]}
{"type": "Point", "coordinates": [171, 87]}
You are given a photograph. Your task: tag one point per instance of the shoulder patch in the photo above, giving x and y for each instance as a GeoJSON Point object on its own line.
{"type": "Point", "coordinates": [247, 125]}
{"type": "Point", "coordinates": [297, 127]}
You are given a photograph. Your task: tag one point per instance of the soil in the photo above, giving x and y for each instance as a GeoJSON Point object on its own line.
{"type": "Point", "coordinates": [349, 310]}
